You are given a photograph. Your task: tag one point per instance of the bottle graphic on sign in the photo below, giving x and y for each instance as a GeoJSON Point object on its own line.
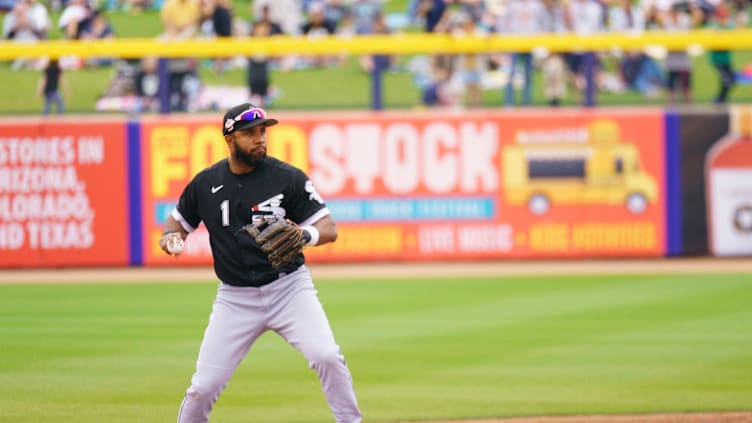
{"type": "Point", "coordinates": [728, 174]}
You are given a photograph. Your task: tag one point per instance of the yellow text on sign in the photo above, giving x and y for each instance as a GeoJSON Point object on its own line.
{"type": "Point", "coordinates": [177, 152]}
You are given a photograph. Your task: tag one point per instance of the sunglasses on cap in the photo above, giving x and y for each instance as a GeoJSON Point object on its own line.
{"type": "Point", "coordinates": [254, 113]}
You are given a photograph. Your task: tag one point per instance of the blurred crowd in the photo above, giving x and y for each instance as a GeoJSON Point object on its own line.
{"type": "Point", "coordinates": [452, 80]}
{"type": "Point", "coordinates": [444, 80]}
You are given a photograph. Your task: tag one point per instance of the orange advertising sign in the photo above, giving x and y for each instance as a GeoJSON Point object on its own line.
{"type": "Point", "coordinates": [513, 184]}
{"type": "Point", "coordinates": [577, 183]}
{"type": "Point", "coordinates": [63, 194]}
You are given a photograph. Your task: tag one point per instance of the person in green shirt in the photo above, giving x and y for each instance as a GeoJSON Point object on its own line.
{"type": "Point", "coordinates": [721, 59]}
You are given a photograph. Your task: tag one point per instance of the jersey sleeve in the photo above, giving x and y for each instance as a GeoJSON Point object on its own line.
{"type": "Point", "coordinates": [187, 212]}
{"type": "Point", "coordinates": [307, 205]}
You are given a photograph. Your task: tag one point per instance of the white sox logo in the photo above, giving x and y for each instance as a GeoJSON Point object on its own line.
{"type": "Point", "coordinates": [272, 206]}
{"type": "Point", "coordinates": [314, 195]}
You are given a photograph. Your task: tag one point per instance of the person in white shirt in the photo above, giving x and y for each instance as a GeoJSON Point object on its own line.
{"type": "Point", "coordinates": [639, 71]}
{"type": "Point", "coordinates": [585, 17]}
{"type": "Point", "coordinates": [624, 16]}
{"type": "Point", "coordinates": [39, 17]}
{"type": "Point", "coordinates": [553, 68]}
{"type": "Point", "coordinates": [74, 14]}
{"type": "Point", "coordinates": [288, 13]}
{"type": "Point", "coordinates": [523, 18]}
{"type": "Point", "coordinates": [19, 27]}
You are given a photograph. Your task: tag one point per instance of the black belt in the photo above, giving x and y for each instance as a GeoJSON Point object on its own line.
{"type": "Point", "coordinates": [272, 277]}
{"type": "Point", "coordinates": [269, 279]}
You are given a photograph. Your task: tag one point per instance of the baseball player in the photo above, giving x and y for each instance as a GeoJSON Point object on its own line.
{"type": "Point", "coordinates": [259, 212]}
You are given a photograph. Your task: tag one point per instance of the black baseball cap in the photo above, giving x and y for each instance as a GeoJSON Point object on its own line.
{"type": "Point", "coordinates": [244, 116]}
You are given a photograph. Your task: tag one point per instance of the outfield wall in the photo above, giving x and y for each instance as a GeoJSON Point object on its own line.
{"type": "Point", "coordinates": [424, 185]}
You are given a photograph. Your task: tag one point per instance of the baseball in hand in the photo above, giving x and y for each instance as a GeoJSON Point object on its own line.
{"type": "Point", "coordinates": [175, 245]}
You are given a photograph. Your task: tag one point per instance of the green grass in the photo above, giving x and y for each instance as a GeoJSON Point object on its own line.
{"type": "Point", "coordinates": [418, 349]}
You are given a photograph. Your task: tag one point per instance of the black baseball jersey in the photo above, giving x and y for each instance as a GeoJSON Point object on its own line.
{"type": "Point", "coordinates": [226, 202]}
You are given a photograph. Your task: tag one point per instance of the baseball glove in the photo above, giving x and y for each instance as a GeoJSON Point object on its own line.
{"type": "Point", "coordinates": [281, 239]}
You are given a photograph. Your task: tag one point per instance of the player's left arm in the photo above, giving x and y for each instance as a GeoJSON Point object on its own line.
{"type": "Point", "coordinates": [310, 212]}
{"type": "Point", "coordinates": [327, 230]}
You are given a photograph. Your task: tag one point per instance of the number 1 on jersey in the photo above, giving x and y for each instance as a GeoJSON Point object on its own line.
{"type": "Point", "coordinates": [225, 208]}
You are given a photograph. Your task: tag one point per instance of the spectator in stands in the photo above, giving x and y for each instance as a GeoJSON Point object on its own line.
{"type": "Point", "coordinates": [75, 19]}
{"type": "Point", "coordinates": [438, 92]}
{"type": "Point", "coordinates": [287, 13]}
{"type": "Point", "coordinates": [584, 17]}
{"type": "Point", "coordinates": [266, 25]}
{"type": "Point", "coordinates": [317, 26]}
{"type": "Point", "coordinates": [639, 71]}
{"type": "Point", "coordinates": [721, 59]}
{"type": "Point", "coordinates": [553, 68]}
{"type": "Point", "coordinates": [365, 13]}
{"type": "Point", "coordinates": [385, 62]}
{"type": "Point", "coordinates": [218, 22]}
{"type": "Point", "coordinates": [346, 25]}
{"type": "Point", "coordinates": [365, 18]}
{"type": "Point", "coordinates": [221, 18]}
{"type": "Point", "coordinates": [345, 30]}
{"type": "Point", "coordinates": [185, 85]}
{"type": "Point", "coordinates": [317, 23]}
{"type": "Point", "coordinates": [40, 17]}
{"type": "Point", "coordinates": [50, 87]}
{"type": "Point", "coordinates": [19, 27]}
{"type": "Point", "coordinates": [289, 16]}
{"type": "Point", "coordinates": [258, 65]}
{"type": "Point", "coordinates": [147, 85]}
{"type": "Point", "coordinates": [98, 29]}
{"type": "Point", "coordinates": [180, 18]}
{"type": "Point", "coordinates": [18, 24]}
{"type": "Point", "coordinates": [470, 67]}
{"type": "Point", "coordinates": [525, 18]}
{"type": "Point", "coordinates": [624, 16]}
{"type": "Point", "coordinates": [429, 12]}
{"type": "Point", "coordinates": [336, 10]}
{"type": "Point", "coordinates": [681, 17]}
{"type": "Point", "coordinates": [474, 8]}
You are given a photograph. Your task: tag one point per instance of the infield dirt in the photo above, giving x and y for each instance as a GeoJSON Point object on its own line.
{"type": "Point", "coordinates": [346, 272]}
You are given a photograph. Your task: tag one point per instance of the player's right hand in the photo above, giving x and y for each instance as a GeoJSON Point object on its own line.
{"type": "Point", "coordinates": [168, 240]}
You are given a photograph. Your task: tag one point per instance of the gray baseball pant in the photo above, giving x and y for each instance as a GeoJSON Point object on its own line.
{"type": "Point", "coordinates": [290, 307]}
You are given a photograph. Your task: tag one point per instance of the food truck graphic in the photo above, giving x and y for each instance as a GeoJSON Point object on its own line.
{"type": "Point", "coordinates": [573, 166]}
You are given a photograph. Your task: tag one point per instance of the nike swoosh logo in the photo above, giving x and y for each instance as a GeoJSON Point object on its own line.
{"type": "Point", "coordinates": [215, 189]}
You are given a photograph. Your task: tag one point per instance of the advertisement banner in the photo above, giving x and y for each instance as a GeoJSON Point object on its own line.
{"type": "Point", "coordinates": [728, 175]}
{"type": "Point", "coordinates": [63, 194]}
{"type": "Point", "coordinates": [444, 185]}
{"type": "Point", "coordinates": [172, 152]}
{"type": "Point", "coordinates": [493, 185]}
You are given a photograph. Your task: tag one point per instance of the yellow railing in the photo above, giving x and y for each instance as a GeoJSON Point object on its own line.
{"type": "Point", "coordinates": [376, 44]}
